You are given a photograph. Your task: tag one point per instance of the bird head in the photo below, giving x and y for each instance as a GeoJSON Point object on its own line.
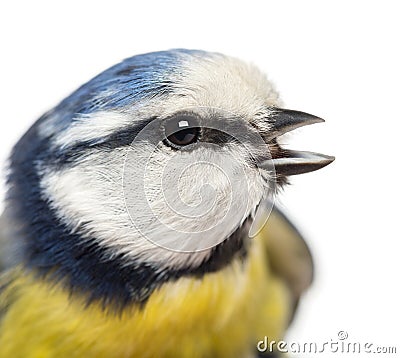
{"type": "Point", "coordinates": [151, 171]}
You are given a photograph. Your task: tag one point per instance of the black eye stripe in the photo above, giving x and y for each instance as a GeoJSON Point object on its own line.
{"type": "Point", "coordinates": [177, 131]}
{"type": "Point", "coordinates": [121, 138]}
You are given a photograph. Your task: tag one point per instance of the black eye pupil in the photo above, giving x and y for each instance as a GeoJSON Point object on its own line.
{"type": "Point", "coordinates": [184, 137]}
{"type": "Point", "coordinates": [182, 130]}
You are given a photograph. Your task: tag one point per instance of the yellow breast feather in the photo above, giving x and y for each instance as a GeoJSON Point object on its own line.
{"type": "Point", "coordinates": [223, 314]}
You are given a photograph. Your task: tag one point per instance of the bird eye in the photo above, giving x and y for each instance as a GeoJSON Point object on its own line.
{"type": "Point", "coordinates": [181, 131]}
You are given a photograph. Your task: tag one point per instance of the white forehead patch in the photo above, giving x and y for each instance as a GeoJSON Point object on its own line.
{"type": "Point", "coordinates": [227, 83]}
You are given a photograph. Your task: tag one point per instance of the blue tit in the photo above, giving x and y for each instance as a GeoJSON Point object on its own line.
{"type": "Point", "coordinates": [135, 222]}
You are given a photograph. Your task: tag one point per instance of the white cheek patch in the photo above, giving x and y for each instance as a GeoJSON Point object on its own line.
{"type": "Point", "coordinates": [90, 194]}
{"type": "Point", "coordinates": [90, 199]}
{"type": "Point", "coordinates": [190, 201]}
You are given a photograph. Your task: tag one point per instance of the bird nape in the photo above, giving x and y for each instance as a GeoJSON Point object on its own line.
{"type": "Point", "coordinates": [139, 218]}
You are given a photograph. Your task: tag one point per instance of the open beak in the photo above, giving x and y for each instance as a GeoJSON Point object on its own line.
{"type": "Point", "coordinates": [293, 162]}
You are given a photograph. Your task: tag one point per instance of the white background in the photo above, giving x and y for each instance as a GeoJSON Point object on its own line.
{"type": "Point", "coordinates": [338, 60]}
